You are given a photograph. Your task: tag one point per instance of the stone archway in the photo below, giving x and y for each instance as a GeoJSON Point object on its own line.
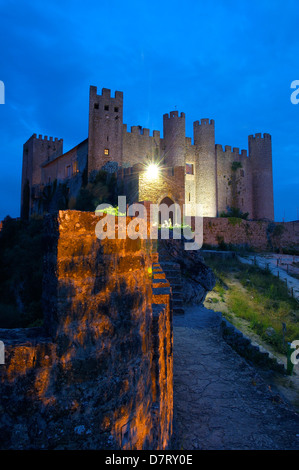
{"type": "Point", "coordinates": [168, 201]}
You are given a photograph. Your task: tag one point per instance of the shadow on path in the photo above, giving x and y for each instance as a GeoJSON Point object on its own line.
{"type": "Point", "coordinates": [220, 401]}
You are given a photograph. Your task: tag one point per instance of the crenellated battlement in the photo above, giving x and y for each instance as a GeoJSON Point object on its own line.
{"type": "Point", "coordinates": [259, 135]}
{"type": "Point", "coordinates": [111, 141]}
{"type": "Point", "coordinates": [136, 130]}
{"type": "Point", "coordinates": [230, 150]}
{"type": "Point", "coordinates": [174, 114]}
{"type": "Point", "coordinates": [204, 122]}
{"type": "Point", "coordinates": [106, 93]}
{"type": "Point", "coordinates": [141, 131]}
{"type": "Point", "coordinates": [45, 138]}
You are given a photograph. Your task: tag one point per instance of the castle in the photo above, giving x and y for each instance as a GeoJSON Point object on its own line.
{"type": "Point", "coordinates": [197, 172]}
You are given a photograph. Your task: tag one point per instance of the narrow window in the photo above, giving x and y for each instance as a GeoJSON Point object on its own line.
{"type": "Point", "coordinates": [106, 152]}
{"type": "Point", "coordinates": [242, 173]}
{"type": "Point", "coordinates": [189, 169]}
{"type": "Point", "coordinates": [68, 171]}
{"type": "Point", "coordinates": [75, 167]}
{"type": "Point", "coordinates": [189, 197]}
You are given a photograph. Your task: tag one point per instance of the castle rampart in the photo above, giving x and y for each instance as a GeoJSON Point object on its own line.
{"type": "Point", "coordinates": [234, 181]}
{"type": "Point", "coordinates": [216, 177]}
{"type": "Point", "coordinates": [139, 146]}
{"type": "Point", "coordinates": [99, 374]}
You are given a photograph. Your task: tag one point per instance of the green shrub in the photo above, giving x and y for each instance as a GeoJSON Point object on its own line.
{"type": "Point", "coordinates": [234, 213]}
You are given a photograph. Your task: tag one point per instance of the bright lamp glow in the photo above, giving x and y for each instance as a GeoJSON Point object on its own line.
{"type": "Point", "coordinates": [152, 171]}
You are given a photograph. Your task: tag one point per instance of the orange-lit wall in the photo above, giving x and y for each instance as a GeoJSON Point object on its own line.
{"type": "Point", "coordinates": [99, 376]}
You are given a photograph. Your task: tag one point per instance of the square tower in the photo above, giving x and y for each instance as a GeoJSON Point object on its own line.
{"type": "Point", "coordinates": [105, 129]}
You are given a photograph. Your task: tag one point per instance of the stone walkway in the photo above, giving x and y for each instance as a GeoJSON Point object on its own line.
{"type": "Point", "coordinates": [270, 261]}
{"type": "Point", "coordinates": [220, 401]}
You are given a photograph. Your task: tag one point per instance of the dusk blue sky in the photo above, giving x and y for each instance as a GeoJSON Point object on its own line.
{"type": "Point", "coordinates": [232, 61]}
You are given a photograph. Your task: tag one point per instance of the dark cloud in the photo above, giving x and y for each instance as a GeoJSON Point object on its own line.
{"type": "Point", "coordinates": [231, 61]}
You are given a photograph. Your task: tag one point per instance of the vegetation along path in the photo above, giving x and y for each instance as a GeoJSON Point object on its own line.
{"type": "Point", "coordinates": [220, 401]}
{"type": "Point", "coordinates": [267, 262]}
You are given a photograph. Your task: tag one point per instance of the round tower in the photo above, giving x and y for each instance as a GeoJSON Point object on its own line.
{"type": "Point", "coordinates": [260, 153]}
{"type": "Point", "coordinates": [205, 168]}
{"type": "Point", "coordinates": [174, 133]}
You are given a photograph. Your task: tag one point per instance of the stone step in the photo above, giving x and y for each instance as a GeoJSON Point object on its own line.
{"type": "Point", "coordinates": [171, 265]}
{"type": "Point", "coordinates": [177, 303]}
{"type": "Point", "coordinates": [172, 272]}
{"type": "Point", "coordinates": [178, 311]}
{"type": "Point", "coordinates": [177, 293]}
{"type": "Point", "coordinates": [173, 275]}
{"type": "Point", "coordinates": [174, 278]}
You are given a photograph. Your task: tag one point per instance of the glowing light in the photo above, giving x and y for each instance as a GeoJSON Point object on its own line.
{"type": "Point", "coordinates": [152, 171]}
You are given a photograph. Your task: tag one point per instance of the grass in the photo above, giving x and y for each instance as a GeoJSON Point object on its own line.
{"type": "Point", "coordinates": [255, 295]}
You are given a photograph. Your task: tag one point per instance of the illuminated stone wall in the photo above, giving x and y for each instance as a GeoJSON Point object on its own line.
{"type": "Point", "coordinates": [221, 178]}
{"type": "Point", "coordinates": [99, 374]}
{"type": "Point", "coordinates": [257, 234]}
{"type": "Point", "coordinates": [168, 183]}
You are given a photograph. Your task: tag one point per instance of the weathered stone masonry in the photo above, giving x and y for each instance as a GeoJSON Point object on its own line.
{"type": "Point", "coordinates": [260, 235]}
{"type": "Point", "coordinates": [204, 172]}
{"type": "Point", "coordinates": [99, 374]}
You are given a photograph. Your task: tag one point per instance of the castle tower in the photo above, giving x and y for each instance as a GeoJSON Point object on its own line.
{"type": "Point", "coordinates": [174, 133]}
{"type": "Point", "coordinates": [36, 151]}
{"type": "Point", "coordinates": [260, 152]}
{"type": "Point", "coordinates": [105, 128]}
{"type": "Point", "coordinates": [205, 167]}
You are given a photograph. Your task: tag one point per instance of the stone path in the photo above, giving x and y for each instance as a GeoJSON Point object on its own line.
{"type": "Point", "coordinates": [270, 261]}
{"type": "Point", "coordinates": [220, 401]}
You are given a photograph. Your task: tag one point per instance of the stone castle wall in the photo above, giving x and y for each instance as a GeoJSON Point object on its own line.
{"type": "Point", "coordinates": [215, 182]}
{"type": "Point", "coordinates": [139, 146]}
{"type": "Point", "coordinates": [99, 374]}
{"type": "Point", "coordinates": [260, 235]}
{"type": "Point", "coordinates": [234, 179]}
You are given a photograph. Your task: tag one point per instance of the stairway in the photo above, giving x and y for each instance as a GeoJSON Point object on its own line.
{"type": "Point", "coordinates": [172, 272]}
